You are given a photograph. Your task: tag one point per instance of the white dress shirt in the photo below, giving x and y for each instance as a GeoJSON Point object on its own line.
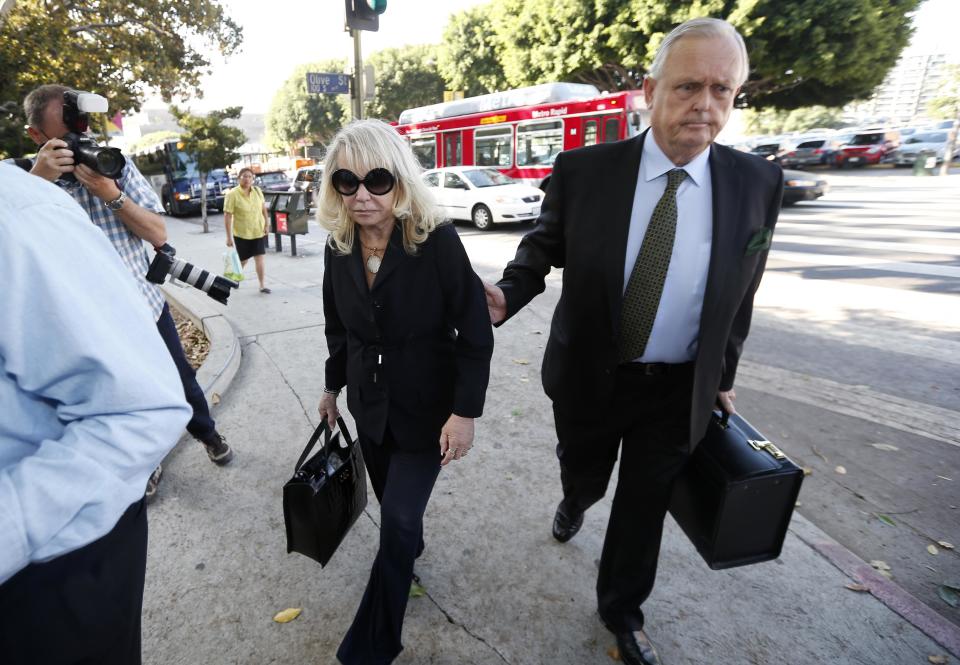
{"type": "Point", "coordinates": [676, 328]}
{"type": "Point", "coordinates": [90, 400]}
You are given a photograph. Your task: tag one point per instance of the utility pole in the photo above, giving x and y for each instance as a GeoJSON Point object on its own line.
{"type": "Point", "coordinates": [357, 77]}
{"type": "Point", "coordinates": [361, 15]}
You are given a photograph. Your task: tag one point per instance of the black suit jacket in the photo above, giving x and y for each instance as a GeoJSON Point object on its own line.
{"type": "Point", "coordinates": [414, 348]}
{"type": "Point", "coordinates": [583, 229]}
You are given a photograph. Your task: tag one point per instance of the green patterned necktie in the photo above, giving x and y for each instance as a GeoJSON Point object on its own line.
{"type": "Point", "coordinates": [642, 297]}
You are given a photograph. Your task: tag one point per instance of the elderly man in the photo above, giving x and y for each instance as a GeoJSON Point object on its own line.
{"type": "Point", "coordinates": [663, 240]}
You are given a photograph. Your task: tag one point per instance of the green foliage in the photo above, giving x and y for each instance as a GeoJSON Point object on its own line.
{"type": "Point", "coordinates": [468, 57]}
{"type": "Point", "coordinates": [405, 78]}
{"type": "Point", "coordinates": [150, 139]}
{"type": "Point", "coordinates": [777, 121]}
{"type": "Point", "coordinates": [947, 102]}
{"type": "Point", "coordinates": [802, 52]}
{"type": "Point", "coordinates": [118, 48]}
{"type": "Point", "coordinates": [211, 142]}
{"type": "Point", "coordinates": [296, 115]}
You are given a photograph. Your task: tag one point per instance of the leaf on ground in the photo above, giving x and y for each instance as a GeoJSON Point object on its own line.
{"type": "Point", "coordinates": [797, 504]}
{"type": "Point", "coordinates": [287, 615]}
{"type": "Point", "coordinates": [841, 470]}
{"type": "Point", "coordinates": [887, 574]}
{"type": "Point", "coordinates": [524, 380]}
{"type": "Point", "coordinates": [880, 565]}
{"type": "Point", "coordinates": [949, 596]}
{"type": "Point", "coordinates": [938, 659]}
{"type": "Point", "coordinates": [521, 361]}
{"type": "Point", "coordinates": [516, 412]}
{"type": "Point", "coordinates": [215, 398]}
{"type": "Point", "coordinates": [886, 519]}
{"type": "Point", "coordinates": [884, 446]}
{"type": "Point", "coordinates": [933, 549]}
{"type": "Point", "coordinates": [614, 653]}
{"type": "Point", "coordinates": [945, 545]}
{"type": "Point", "coordinates": [417, 590]}
{"type": "Point", "coordinates": [807, 471]}
{"type": "Point", "coordinates": [952, 585]}
{"type": "Point", "coordinates": [857, 587]}
{"type": "Point", "coordinates": [536, 332]}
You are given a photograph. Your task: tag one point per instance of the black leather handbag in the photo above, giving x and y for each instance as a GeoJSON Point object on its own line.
{"type": "Point", "coordinates": [736, 494]}
{"type": "Point", "coordinates": [326, 494]}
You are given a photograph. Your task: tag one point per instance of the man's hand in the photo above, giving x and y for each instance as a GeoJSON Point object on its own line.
{"type": "Point", "coordinates": [100, 186]}
{"type": "Point", "coordinates": [725, 400]}
{"type": "Point", "coordinates": [53, 160]}
{"type": "Point", "coordinates": [328, 409]}
{"type": "Point", "coordinates": [456, 438]}
{"type": "Point", "coordinates": [496, 302]}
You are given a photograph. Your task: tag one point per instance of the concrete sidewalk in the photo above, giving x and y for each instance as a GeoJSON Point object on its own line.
{"type": "Point", "coordinates": [499, 588]}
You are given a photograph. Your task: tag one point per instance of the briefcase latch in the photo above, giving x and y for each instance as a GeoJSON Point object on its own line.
{"type": "Point", "coordinates": [768, 447]}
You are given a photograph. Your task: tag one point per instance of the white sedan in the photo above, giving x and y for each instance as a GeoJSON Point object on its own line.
{"type": "Point", "coordinates": [483, 195]}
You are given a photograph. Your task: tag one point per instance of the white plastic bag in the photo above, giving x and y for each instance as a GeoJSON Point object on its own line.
{"type": "Point", "coordinates": [231, 265]}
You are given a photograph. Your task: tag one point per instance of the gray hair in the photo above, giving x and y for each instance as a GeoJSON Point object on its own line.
{"type": "Point", "coordinates": [36, 102]}
{"type": "Point", "coordinates": [366, 145]}
{"type": "Point", "coordinates": [702, 27]}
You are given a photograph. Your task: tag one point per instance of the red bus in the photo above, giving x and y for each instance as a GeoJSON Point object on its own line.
{"type": "Point", "coordinates": [520, 132]}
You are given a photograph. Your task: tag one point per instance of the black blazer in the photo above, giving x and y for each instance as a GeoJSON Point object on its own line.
{"type": "Point", "coordinates": [414, 348]}
{"type": "Point", "coordinates": [583, 229]}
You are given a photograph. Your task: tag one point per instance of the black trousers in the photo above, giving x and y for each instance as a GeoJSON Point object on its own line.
{"type": "Point", "coordinates": [650, 415]}
{"type": "Point", "coordinates": [402, 482]}
{"type": "Point", "coordinates": [82, 608]}
{"type": "Point", "coordinates": [201, 425]}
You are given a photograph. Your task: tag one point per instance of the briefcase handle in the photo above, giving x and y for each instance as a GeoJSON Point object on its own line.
{"type": "Point", "coordinates": [724, 417]}
{"type": "Point", "coordinates": [322, 428]}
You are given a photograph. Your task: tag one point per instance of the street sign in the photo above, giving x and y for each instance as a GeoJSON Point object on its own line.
{"type": "Point", "coordinates": [331, 84]}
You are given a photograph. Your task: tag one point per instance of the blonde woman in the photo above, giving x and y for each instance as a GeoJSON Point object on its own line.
{"type": "Point", "coordinates": [245, 219]}
{"type": "Point", "coordinates": [409, 336]}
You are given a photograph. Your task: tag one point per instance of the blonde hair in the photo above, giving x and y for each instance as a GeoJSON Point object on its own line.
{"type": "Point", "coordinates": [366, 145]}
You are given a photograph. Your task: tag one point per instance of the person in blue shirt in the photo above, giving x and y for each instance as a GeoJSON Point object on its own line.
{"type": "Point", "coordinates": [91, 403]}
{"type": "Point", "coordinates": [127, 211]}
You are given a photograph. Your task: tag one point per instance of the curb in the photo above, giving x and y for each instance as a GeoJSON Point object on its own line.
{"type": "Point", "coordinates": [914, 611]}
{"type": "Point", "coordinates": [223, 360]}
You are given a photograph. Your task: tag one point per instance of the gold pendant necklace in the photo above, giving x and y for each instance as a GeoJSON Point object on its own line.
{"type": "Point", "coordinates": [373, 261]}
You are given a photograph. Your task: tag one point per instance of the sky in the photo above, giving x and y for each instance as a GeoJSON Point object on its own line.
{"type": "Point", "coordinates": [278, 35]}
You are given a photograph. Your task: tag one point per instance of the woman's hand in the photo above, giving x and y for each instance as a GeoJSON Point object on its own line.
{"type": "Point", "coordinates": [229, 241]}
{"type": "Point", "coordinates": [456, 438]}
{"type": "Point", "coordinates": [328, 409]}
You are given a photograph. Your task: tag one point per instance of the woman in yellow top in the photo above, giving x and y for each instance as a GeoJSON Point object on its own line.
{"type": "Point", "coordinates": [245, 219]}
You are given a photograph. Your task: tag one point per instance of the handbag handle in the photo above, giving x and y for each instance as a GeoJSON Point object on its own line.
{"type": "Point", "coordinates": [324, 427]}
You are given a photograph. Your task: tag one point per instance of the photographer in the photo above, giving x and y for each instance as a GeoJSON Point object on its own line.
{"type": "Point", "coordinates": [127, 211]}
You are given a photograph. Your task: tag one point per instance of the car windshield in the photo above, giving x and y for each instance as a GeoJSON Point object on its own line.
{"type": "Point", "coordinates": [487, 178]}
{"type": "Point", "coordinates": [769, 147]}
{"type": "Point", "coordinates": [810, 144]}
{"type": "Point", "coordinates": [271, 178]}
{"type": "Point", "coordinates": [932, 137]}
{"type": "Point", "coordinates": [866, 139]}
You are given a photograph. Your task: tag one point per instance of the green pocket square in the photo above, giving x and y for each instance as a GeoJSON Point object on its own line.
{"type": "Point", "coordinates": [759, 242]}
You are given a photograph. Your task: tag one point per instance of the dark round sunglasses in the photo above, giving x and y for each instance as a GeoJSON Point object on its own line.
{"type": "Point", "coordinates": [377, 181]}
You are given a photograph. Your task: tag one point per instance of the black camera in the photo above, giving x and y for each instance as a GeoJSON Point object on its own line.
{"type": "Point", "coordinates": [165, 263]}
{"type": "Point", "coordinates": [77, 105]}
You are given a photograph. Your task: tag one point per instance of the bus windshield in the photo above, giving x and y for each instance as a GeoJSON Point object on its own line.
{"type": "Point", "coordinates": [183, 165]}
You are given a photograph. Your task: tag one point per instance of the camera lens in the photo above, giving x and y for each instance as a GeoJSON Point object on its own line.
{"type": "Point", "coordinates": [109, 162]}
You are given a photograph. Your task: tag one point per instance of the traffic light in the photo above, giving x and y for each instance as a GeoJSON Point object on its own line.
{"type": "Point", "coordinates": [364, 14]}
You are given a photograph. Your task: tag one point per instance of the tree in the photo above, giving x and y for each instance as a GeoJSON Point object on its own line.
{"type": "Point", "coordinates": [776, 121]}
{"type": "Point", "coordinates": [947, 105]}
{"type": "Point", "coordinates": [405, 78]}
{"type": "Point", "coordinates": [802, 52]}
{"type": "Point", "coordinates": [468, 57]}
{"type": "Point", "coordinates": [296, 115]}
{"type": "Point", "coordinates": [211, 142]}
{"type": "Point", "coordinates": [120, 49]}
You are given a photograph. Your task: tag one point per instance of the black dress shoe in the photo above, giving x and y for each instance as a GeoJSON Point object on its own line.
{"type": "Point", "coordinates": [566, 523]}
{"type": "Point", "coordinates": [636, 649]}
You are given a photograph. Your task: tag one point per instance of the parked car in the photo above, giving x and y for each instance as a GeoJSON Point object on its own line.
{"type": "Point", "coordinates": [935, 142]}
{"type": "Point", "coordinates": [814, 152]}
{"type": "Point", "coordinates": [483, 195]}
{"type": "Point", "coordinates": [308, 180]}
{"type": "Point", "coordinates": [273, 181]}
{"type": "Point", "coordinates": [770, 151]}
{"type": "Point", "coordinates": [802, 186]}
{"type": "Point", "coordinates": [869, 147]}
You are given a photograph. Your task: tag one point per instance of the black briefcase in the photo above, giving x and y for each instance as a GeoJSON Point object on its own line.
{"type": "Point", "coordinates": [326, 494]}
{"type": "Point", "coordinates": [736, 494]}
